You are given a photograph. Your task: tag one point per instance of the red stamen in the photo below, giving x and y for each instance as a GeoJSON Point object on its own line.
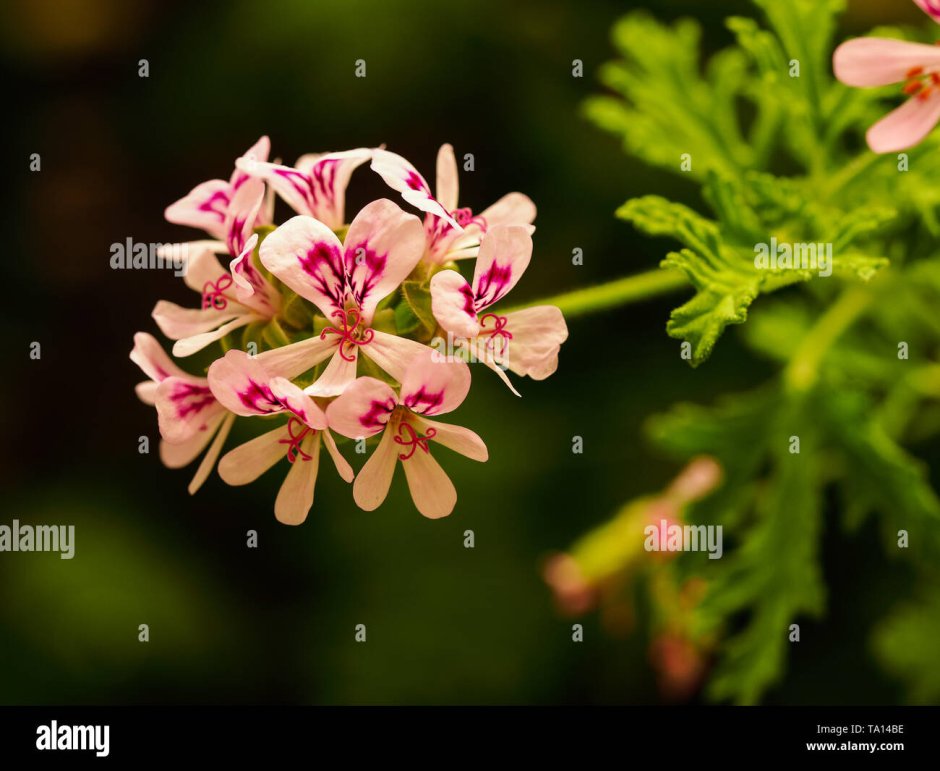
{"type": "Point", "coordinates": [499, 330]}
{"type": "Point", "coordinates": [414, 440]}
{"type": "Point", "coordinates": [213, 295]}
{"type": "Point", "coordinates": [350, 320]}
{"type": "Point", "coordinates": [294, 440]}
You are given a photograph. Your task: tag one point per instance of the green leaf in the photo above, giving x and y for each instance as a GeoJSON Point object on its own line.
{"type": "Point", "coordinates": [417, 295]}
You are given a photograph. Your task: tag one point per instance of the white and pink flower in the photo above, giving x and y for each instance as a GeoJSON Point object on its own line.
{"type": "Point", "coordinates": [345, 281]}
{"type": "Point", "coordinates": [452, 233]}
{"type": "Point", "coordinates": [189, 415]}
{"type": "Point", "coordinates": [526, 341]}
{"type": "Point", "coordinates": [370, 407]}
{"type": "Point", "coordinates": [243, 385]}
{"type": "Point", "coordinates": [871, 62]}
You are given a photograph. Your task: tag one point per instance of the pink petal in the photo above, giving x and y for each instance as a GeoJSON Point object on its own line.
{"type": "Point", "coordinates": [372, 482]}
{"type": "Point", "coordinates": [317, 186]}
{"type": "Point", "coordinates": [400, 175]}
{"type": "Point", "coordinates": [149, 355]}
{"type": "Point", "coordinates": [511, 209]}
{"type": "Point", "coordinates": [537, 335]}
{"type": "Point", "coordinates": [382, 247]}
{"type": "Point", "coordinates": [504, 256]}
{"type": "Point", "coordinates": [337, 376]}
{"type": "Point", "coordinates": [202, 267]}
{"type": "Point", "coordinates": [363, 409]}
{"type": "Point", "coordinates": [457, 438]}
{"type": "Point", "coordinates": [209, 459]}
{"type": "Point", "coordinates": [342, 466]}
{"type": "Point", "coordinates": [249, 461]}
{"type": "Point", "coordinates": [296, 494]}
{"type": "Point", "coordinates": [187, 346]}
{"type": "Point", "coordinates": [447, 187]}
{"type": "Point", "coordinates": [307, 256]}
{"type": "Point", "coordinates": [204, 207]}
{"type": "Point", "coordinates": [177, 322]}
{"type": "Point", "coordinates": [293, 360]}
{"type": "Point", "coordinates": [179, 454]}
{"type": "Point", "coordinates": [872, 61]}
{"type": "Point", "coordinates": [251, 287]}
{"type": "Point", "coordinates": [147, 391]}
{"type": "Point", "coordinates": [185, 406]}
{"type": "Point", "coordinates": [905, 126]}
{"type": "Point", "coordinates": [242, 213]}
{"type": "Point", "coordinates": [931, 8]}
{"type": "Point", "coordinates": [432, 387]}
{"type": "Point", "coordinates": [243, 385]}
{"type": "Point", "coordinates": [393, 354]}
{"type": "Point", "coordinates": [296, 401]}
{"type": "Point", "coordinates": [452, 304]}
{"type": "Point", "coordinates": [257, 153]}
{"type": "Point", "coordinates": [431, 489]}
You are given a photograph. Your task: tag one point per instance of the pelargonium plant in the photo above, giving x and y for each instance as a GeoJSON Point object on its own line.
{"type": "Point", "coordinates": [324, 324]}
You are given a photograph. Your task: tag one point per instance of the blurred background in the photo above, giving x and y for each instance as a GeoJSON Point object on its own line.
{"type": "Point", "coordinates": [276, 624]}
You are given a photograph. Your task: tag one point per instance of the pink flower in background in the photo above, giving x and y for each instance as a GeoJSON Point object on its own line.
{"type": "Point", "coordinates": [452, 233]}
{"type": "Point", "coordinates": [231, 298]}
{"type": "Point", "coordinates": [345, 281]}
{"type": "Point", "coordinates": [315, 185]}
{"type": "Point", "coordinates": [369, 407]}
{"type": "Point", "coordinates": [527, 341]}
{"type": "Point", "coordinates": [245, 387]}
{"type": "Point", "coordinates": [870, 62]}
{"type": "Point", "coordinates": [188, 413]}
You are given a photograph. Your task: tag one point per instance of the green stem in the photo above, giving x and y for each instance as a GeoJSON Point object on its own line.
{"type": "Point", "coordinates": [802, 373]}
{"type": "Point", "coordinates": [642, 286]}
{"type": "Point", "coordinates": [850, 172]}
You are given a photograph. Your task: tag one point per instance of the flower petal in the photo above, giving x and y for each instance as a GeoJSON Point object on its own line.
{"type": "Point", "coordinates": [363, 409]}
{"type": "Point", "coordinates": [185, 406]}
{"type": "Point", "coordinates": [251, 287]}
{"type": "Point", "coordinates": [504, 256]}
{"type": "Point", "coordinates": [372, 482]}
{"type": "Point", "coordinates": [905, 126]}
{"type": "Point", "coordinates": [393, 354]}
{"type": "Point", "coordinates": [242, 213]}
{"type": "Point", "coordinates": [294, 400]}
{"type": "Point", "coordinates": [295, 497]}
{"type": "Point", "coordinates": [149, 355]}
{"type": "Point", "coordinates": [448, 185]}
{"type": "Point", "coordinates": [452, 304]}
{"type": "Point", "coordinates": [202, 265]}
{"type": "Point", "coordinates": [307, 256]}
{"type": "Point", "coordinates": [317, 185]}
{"type": "Point", "coordinates": [204, 207]}
{"type": "Point", "coordinates": [342, 466]}
{"type": "Point", "coordinates": [871, 61]}
{"type": "Point", "coordinates": [177, 322]}
{"type": "Point", "coordinates": [931, 8]}
{"type": "Point", "coordinates": [187, 346]}
{"type": "Point", "coordinates": [400, 175]}
{"type": "Point", "coordinates": [257, 153]}
{"type": "Point", "coordinates": [537, 334]}
{"type": "Point", "coordinates": [457, 438]}
{"type": "Point", "coordinates": [179, 454]}
{"type": "Point", "coordinates": [242, 384]}
{"type": "Point", "coordinates": [249, 461]}
{"type": "Point", "coordinates": [382, 247]}
{"type": "Point", "coordinates": [337, 376]}
{"type": "Point", "coordinates": [511, 209]}
{"type": "Point", "coordinates": [431, 489]}
{"type": "Point", "coordinates": [293, 360]}
{"type": "Point", "coordinates": [433, 387]}
{"type": "Point", "coordinates": [209, 459]}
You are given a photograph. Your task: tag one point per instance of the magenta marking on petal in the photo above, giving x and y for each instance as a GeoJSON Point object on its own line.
{"type": "Point", "coordinates": [293, 440]}
{"type": "Point", "coordinates": [324, 175]}
{"type": "Point", "coordinates": [933, 8]}
{"type": "Point", "coordinates": [260, 398]}
{"type": "Point", "coordinates": [211, 204]}
{"type": "Point", "coordinates": [374, 263]}
{"type": "Point", "coordinates": [414, 181]}
{"type": "Point", "coordinates": [373, 418]}
{"type": "Point", "coordinates": [191, 399]}
{"type": "Point", "coordinates": [492, 284]}
{"type": "Point", "coordinates": [421, 401]}
{"type": "Point", "coordinates": [324, 264]}
{"type": "Point", "coordinates": [408, 437]}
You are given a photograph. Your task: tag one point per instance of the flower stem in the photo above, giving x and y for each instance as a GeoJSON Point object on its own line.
{"type": "Point", "coordinates": [802, 372]}
{"type": "Point", "coordinates": [642, 286]}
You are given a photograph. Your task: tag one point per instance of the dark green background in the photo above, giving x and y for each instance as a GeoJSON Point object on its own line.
{"type": "Point", "coordinates": [276, 624]}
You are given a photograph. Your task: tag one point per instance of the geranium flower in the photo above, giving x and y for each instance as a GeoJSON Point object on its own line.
{"type": "Point", "coordinates": [245, 387]}
{"type": "Point", "coordinates": [452, 233]}
{"type": "Point", "coordinates": [188, 413]}
{"type": "Point", "coordinates": [869, 62]}
{"type": "Point", "coordinates": [527, 341]}
{"type": "Point", "coordinates": [346, 280]}
{"type": "Point", "coordinates": [369, 407]}
{"type": "Point", "coordinates": [231, 298]}
{"type": "Point", "coordinates": [315, 185]}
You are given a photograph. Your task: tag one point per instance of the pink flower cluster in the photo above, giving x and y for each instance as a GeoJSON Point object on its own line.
{"type": "Point", "coordinates": [323, 326]}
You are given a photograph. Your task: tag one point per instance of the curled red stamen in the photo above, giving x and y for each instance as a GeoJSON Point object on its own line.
{"type": "Point", "coordinates": [293, 441]}
{"type": "Point", "coordinates": [498, 331]}
{"type": "Point", "coordinates": [213, 295]}
{"type": "Point", "coordinates": [350, 320]}
{"type": "Point", "coordinates": [414, 440]}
